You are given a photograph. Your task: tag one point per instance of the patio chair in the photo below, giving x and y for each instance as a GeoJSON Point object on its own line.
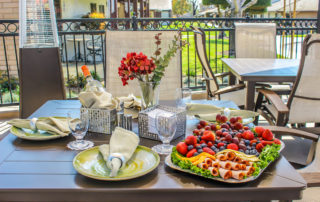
{"type": "Point", "coordinates": [119, 43]}
{"type": "Point", "coordinates": [236, 92]}
{"type": "Point", "coordinates": [303, 104]}
{"type": "Point", "coordinates": [311, 172]}
{"type": "Point", "coordinates": [258, 40]}
{"type": "Point", "coordinates": [95, 47]}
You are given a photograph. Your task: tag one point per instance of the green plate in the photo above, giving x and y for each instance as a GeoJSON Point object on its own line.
{"type": "Point", "coordinates": [90, 163]}
{"type": "Point", "coordinates": [33, 135]}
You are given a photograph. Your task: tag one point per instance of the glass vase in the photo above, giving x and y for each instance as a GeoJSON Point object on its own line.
{"type": "Point", "coordinates": [149, 94]}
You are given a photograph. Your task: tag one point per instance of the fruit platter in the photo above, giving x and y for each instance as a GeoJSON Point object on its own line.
{"type": "Point", "coordinates": [226, 151]}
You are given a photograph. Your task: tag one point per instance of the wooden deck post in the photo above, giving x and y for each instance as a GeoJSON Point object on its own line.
{"type": "Point", "coordinates": [318, 22]}
{"type": "Point", "coordinates": [113, 8]}
{"type": "Point", "coordinates": [135, 7]}
{"type": "Point", "coordinates": [141, 9]}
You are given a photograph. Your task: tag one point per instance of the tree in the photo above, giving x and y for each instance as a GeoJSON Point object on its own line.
{"type": "Point", "coordinates": [239, 6]}
{"type": "Point", "coordinates": [180, 7]}
{"type": "Point", "coordinates": [194, 6]}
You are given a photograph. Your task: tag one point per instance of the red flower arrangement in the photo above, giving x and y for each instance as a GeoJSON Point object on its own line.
{"type": "Point", "coordinates": [135, 66]}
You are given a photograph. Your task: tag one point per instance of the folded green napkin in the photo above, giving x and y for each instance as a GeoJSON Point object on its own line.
{"type": "Point", "coordinates": [54, 126]}
{"type": "Point", "coordinates": [122, 145]}
{"type": "Point", "coordinates": [209, 112]}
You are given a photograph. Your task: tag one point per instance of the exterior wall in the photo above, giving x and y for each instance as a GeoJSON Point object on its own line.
{"type": "Point", "coordinates": [78, 8]}
{"type": "Point", "coordinates": [9, 10]}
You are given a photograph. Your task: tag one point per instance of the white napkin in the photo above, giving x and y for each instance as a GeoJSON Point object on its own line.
{"type": "Point", "coordinates": [122, 145]}
{"type": "Point", "coordinates": [209, 112]}
{"type": "Point", "coordinates": [131, 104]}
{"type": "Point", "coordinates": [98, 100]}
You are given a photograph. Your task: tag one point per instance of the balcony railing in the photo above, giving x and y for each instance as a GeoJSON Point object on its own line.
{"type": "Point", "coordinates": [82, 41]}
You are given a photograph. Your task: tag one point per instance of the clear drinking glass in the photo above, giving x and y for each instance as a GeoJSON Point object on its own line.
{"type": "Point", "coordinates": [183, 96]}
{"type": "Point", "coordinates": [166, 125]}
{"type": "Point", "coordinates": [79, 127]}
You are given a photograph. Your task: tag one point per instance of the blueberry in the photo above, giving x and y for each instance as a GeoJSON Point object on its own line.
{"type": "Point", "coordinates": [255, 151]}
{"type": "Point", "coordinates": [198, 147]}
{"type": "Point", "coordinates": [195, 154]}
{"type": "Point", "coordinates": [247, 152]}
{"type": "Point", "coordinates": [225, 142]}
{"type": "Point", "coordinates": [222, 148]}
{"type": "Point", "coordinates": [240, 150]}
{"type": "Point", "coordinates": [213, 148]}
{"type": "Point", "coordinates": [257, 154]}
{"type": "Point", "coordinates": [248, 147]}
{"type": "Point", "coordinates": [200, 151]}
{"type": "Point", "coordinates": [228, 123]}
{"type": "Point", "coordinates": [203, 145]}
{"type": "Point", "coordinates": [217, 141]}
{"type": "Point", "coordinates": [190, 147]}
{"type": "Point", "coordinates": [224, 130]}
{"type": "Point", "coordinates": [247, 142]}
{"type": "Point", "coordinates": [252, 152]}
{"type": "Point", "coordinates": [253, 144]}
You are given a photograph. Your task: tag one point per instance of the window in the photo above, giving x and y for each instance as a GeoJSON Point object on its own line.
{"type": "Point", "coordinates": [101, 9]}
{"type": "Point", "coordinates": [93, 7]}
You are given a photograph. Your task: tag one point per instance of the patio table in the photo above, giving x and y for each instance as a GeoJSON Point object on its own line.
{"type": "Point", "coordinates": [43, 171]}
{"type": "Point", "coordinates": [252, 70]}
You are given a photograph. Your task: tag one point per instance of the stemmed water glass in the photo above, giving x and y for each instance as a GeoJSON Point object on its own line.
{"type": "Point", "coordinates": [183, 96]}
{"type": "Point", "coordinates": [166, 125]}
{"type": "Point", "coordinates": [79, 125]}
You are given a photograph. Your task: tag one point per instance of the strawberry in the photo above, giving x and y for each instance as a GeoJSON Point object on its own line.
{"type": "Point", "coordinates": [276, 141]}
{"type": "Point", "coordinates": [191, 152]}
{"type": "Point", "coordinates": [259, 130]}
{"type": "Point", "coordinates": [203, 123]}
{"type": "Point", "coordinates": [223, 119]}
{"type": "Point", "coordinates": [220, 144]}
{"type": "Point", "coordinates": [191, 140]}
{"type": "Point", "coordinates": [208, 136]}
{"type": "Point", "coordinates": [233, 146]}
{"type": "Point", "coordinates": [267, 135]}
{"type": "Point", "coordinates": [182, 148]}
{"type": "Point", "coordinates": [248, 135]}
{"type": "Point", "coordinates": [208, 150]}
{"type": "Point", "coordinates": [259, 147]}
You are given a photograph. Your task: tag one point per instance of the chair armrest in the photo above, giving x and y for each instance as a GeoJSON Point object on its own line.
{"type": "Point", "coordinates": [222, 74]}
{"type": "Point", "coordinates": [205, 78]}
{"type": "Point", "coordinates": [275, 100]}
{"type": "Point", "coordinates": [229, 89]}
{"type": "Point", "coordinates": [294, 132]}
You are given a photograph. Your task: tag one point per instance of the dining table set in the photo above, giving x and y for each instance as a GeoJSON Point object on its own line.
{"type": "Point", "coordinates": [51, 170]}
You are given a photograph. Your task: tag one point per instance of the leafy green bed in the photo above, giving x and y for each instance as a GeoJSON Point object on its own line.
{"type": "Point", "coordinates": [268, 154]}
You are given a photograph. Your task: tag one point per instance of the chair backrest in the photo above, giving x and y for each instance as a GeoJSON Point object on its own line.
{"type": "Point", "coordinates": [41, 78]}
{"type": "Point", "coordinates": [200, 43]}
{"type": "Point", "coordinates": [304, 100]}
{"type": "Point", "coordinates": [119, 43]}
{"type": "Point", "coordinates": [255, 40]}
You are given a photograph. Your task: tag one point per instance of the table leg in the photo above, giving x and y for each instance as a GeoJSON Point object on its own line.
{"type": "Point", "coordinates": [232, 79]}
{"type": "Point", "coordinates": [250, 88]}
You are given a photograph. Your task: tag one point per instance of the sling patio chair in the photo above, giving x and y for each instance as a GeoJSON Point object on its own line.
{"type": "Point", "coordinates": [236, 92]}
{"type": "Point", "coordinates": [119, 43]}
{"type": "Point", "coordinates": [303, 104]}
{"type": "Point", "coordinates": [258, 40]}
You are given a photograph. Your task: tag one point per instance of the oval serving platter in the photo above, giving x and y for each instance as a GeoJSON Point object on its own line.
{"type": "Point", "coordinates": [169, 163]}
{"type": "Point", "coordinates": [90, 163]}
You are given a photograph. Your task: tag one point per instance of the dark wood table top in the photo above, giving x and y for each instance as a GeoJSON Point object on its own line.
{"type": "Point", "coordinates": [263, 70]}
{"type": "Point", "coordinates": [43, 171]}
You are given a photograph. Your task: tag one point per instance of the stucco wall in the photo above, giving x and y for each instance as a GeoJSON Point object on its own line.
{"type": "Point", "coordinates": [78, 8]}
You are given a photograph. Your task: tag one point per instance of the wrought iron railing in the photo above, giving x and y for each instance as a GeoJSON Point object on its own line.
{"type": "Point", "coordinates": [82, 41]}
